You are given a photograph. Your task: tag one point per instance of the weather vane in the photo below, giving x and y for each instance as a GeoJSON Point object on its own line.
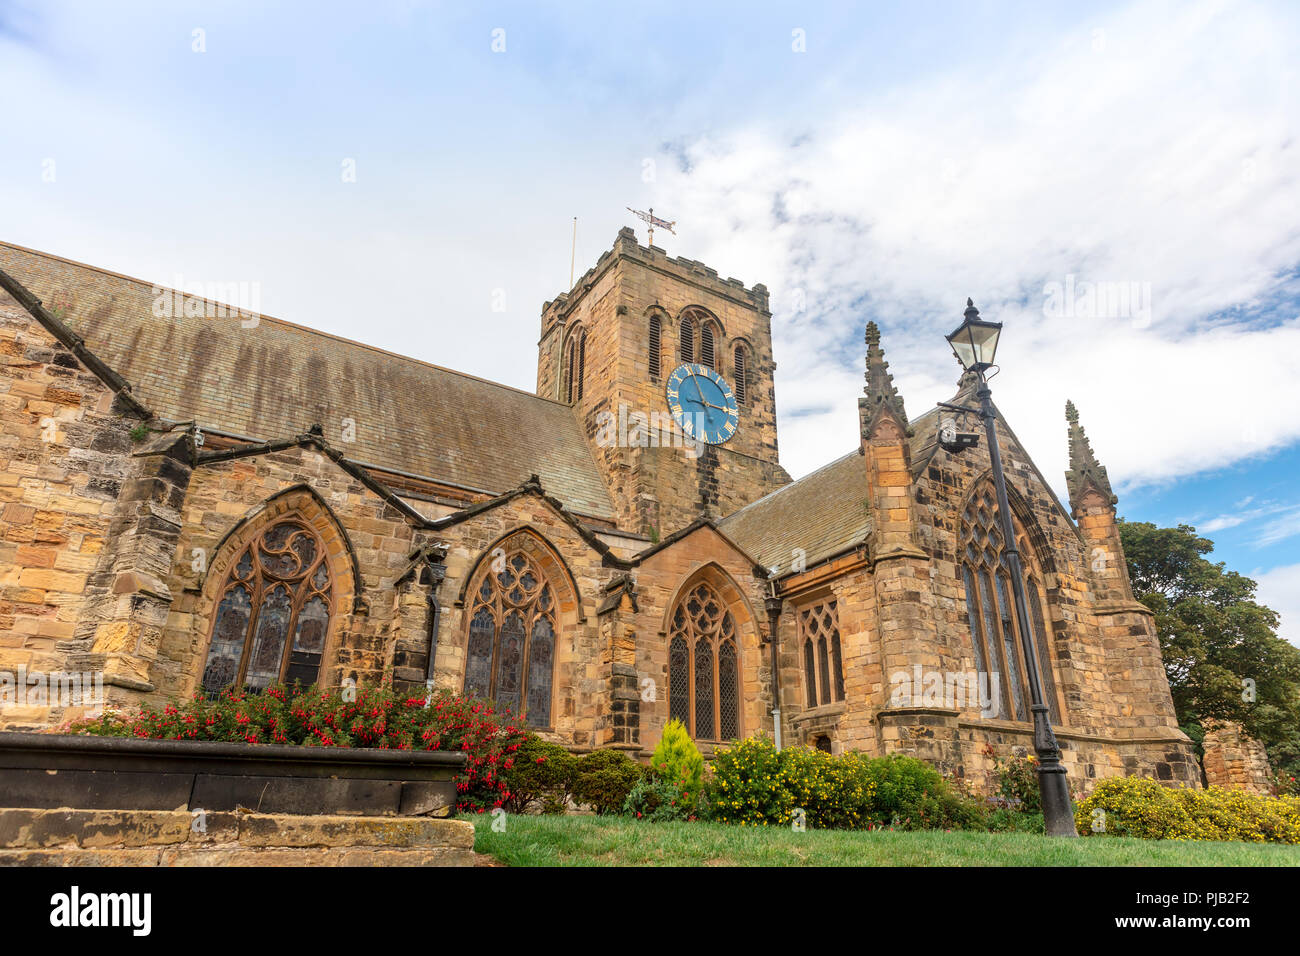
{"type": "Point", "coordinates": [652, 220]}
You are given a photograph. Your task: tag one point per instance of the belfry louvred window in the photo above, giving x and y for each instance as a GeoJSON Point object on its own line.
{"type": "Point", "coordinates": [653, 354]}
{"type": "Point", "coordinates": [819, 630]}
{"type": "Point", "coordinates": [510, 655]}
{"type": "Point", "coordinates": [273, 613]}
{"type": "Point", "coordinates": [704, 666]}
{"type": "Point", "coordinates": [994, 631]}
{"type": "Point", "coordinates": [706, 345]}
{"type": "Point", "coordinates": [739, 368]}
{"type": "Point", "coordinates": [686, 338]}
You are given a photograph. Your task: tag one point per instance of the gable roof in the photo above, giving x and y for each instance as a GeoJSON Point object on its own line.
{"type": "Point", "coordinates": [277, 378]}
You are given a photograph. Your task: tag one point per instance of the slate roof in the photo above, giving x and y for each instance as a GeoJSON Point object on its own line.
{"type": "Point", "coordinates": [824, 513]}
{"type": "Point", "coordinates": [277, 378]}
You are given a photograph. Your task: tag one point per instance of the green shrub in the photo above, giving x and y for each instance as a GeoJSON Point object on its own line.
{"type": "Point", "coordinates": [657, 799]}
{"type": "Point", "coordinates": [604, 778]}
{"type": "Point", "coordinates": [902, 784]}
{"type": "Point", "coordinates": [748, 787]}
{"type": "Point", "coordinates": [677, 761]}
{"type": "Point", "coordinates": [1138, 807]}
{"type": "Point", "coordinates": [833, 792]}
{"type": "Point", "coordinates": [540, 778]}
{"type": "Point", "coordinates": [1016, 780]}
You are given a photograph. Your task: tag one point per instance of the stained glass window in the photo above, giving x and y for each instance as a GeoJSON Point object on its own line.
{"type": "Point", "coordinates": [273, 615]}
{"type": "Point", "coordinates": [994, 630]}
{"type": "Point", "coordinates": [510, 654]}
{"type": "Point", "coordinates": [704, 666]}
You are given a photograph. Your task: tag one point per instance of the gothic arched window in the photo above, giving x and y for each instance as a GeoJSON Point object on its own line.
{"type": "Point", "coordinates": [686, 338]}
{"type": "Point", "coordinates": [823, 668]}
{"type": "Point", "coordinates": [273, 612]}
{"type": "Point", "coordinates": [575, 360]}
{"type": "Point", "coordinates": [653, 353]}
{"type": "Point", "coordinates": [739, 369]}
{"type": "Point", "coordinates": [704, 666]}
{"type": "Point", "coordinates": [510, 655]}
{"type": "Point", "coordinates": [994, 630]}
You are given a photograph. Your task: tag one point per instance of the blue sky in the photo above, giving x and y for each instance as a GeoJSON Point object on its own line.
{"type": "Point", "coordinates": [878, 163]}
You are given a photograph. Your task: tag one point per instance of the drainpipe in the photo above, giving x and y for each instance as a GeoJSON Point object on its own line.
{"type": "Point", "coordinates": [773, 606]}
{"type": "Point", "coordinates": [435, 574]}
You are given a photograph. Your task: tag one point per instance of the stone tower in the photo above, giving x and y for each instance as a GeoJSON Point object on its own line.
{"type": "Point", "coordinates": [607, 348]}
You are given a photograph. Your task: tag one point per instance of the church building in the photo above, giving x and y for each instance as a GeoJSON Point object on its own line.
{"type": "Point", "coordinates": [193, 497]}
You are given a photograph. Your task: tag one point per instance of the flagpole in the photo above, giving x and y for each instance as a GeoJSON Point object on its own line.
{"type": "Point", "coordinates": [573, 253]}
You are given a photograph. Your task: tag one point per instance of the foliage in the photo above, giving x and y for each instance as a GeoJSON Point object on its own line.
{"type": "Point", "coordinates": [1215, 638]}
{"type": "Point", "coordinates": [372, 716]}
{"type": "Point", "coordinates": [140, 432]}
{"type": "Point", "coordinates": [753, 785]}
{"type": "Point", "coordinates": [678, 761]}
{"type": "Point", "coordinates": [1016, 782]}
{"type": "Point", "coordinates": [656, 798]}
{"type": "Point", "coordinates": [540, 778]}
{"type": "Point", "coordinates": [1135, 806]}
{"type": "Point", "coordinates": [604, 778]}
{"type": "Point", "coordinates": [748, 787]}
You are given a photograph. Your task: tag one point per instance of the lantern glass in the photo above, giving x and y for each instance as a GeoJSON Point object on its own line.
{"type": "Point", "coordinates": [975, 343]}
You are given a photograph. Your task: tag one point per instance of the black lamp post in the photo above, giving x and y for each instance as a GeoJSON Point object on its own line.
{"type": "Point", "coordinates": [975, 342]}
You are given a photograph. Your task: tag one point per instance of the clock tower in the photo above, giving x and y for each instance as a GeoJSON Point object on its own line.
{"type": "Point", "coordinates": [644, 343]}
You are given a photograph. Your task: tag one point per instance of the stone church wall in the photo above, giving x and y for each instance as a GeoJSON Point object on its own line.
{"type": "Point", "coordinates": [64, 456]}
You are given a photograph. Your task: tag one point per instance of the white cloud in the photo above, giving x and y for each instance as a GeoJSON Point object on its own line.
{"type": "Point", "coordinates": [1166, 159]}
{"type": "Point", "coordinates": [1280, 590]}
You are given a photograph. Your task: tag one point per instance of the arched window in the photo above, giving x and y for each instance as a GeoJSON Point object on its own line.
{"type": "Point", "coordinates": [707, 356]}
{"type": "Point", "coordinates": [994, 630]}
{"type": "Point", "coordinates": [510, 654]}
{"type": "Point", "coordinates": [273, 612]}
{"type": "Point", "coordinates": [823, 669]}
{"type": "Point", "coordinates": [739, 368]}
{"type": "Point", "coordinates": [687, 338]}
{"type": "Point", "coordinates": [653, 355]}
{"type": "Point", "coordinates": [575, 360]}
{"type": "Point", "coordinates": [704, 666]}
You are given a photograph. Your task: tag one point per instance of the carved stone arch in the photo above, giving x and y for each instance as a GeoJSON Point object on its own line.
{"type": "Point", "coordinates": [724, 583]}
{"type": "Point", "coordinates": [522, 611]}
{"type": "Point", "coordinates": [302, 505]}
{"type": "Point", "coordinates": [703, 313]}
{"type": "Point", "coordinates": [503, 541]}
{"type": "Point", "coordinates": [1023, 520]}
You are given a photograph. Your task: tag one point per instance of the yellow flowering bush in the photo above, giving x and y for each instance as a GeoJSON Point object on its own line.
{"type": "Point", "coordinates": [748, 787]}
{"type": "Point", "coordinates": [753, 785]}
{"type": "Point", "coordinates": [1139, 807]}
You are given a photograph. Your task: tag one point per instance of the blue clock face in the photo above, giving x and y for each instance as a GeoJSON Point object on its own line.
{"type": "Point", "coordinates": [703, 404]}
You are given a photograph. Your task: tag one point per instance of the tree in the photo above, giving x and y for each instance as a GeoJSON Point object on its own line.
{"type": "Point", "coordinates": [1220, 646]}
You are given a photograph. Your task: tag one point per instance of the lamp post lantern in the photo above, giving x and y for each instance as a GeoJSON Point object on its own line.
{"type": "Point", "coordinates": [975, 343]}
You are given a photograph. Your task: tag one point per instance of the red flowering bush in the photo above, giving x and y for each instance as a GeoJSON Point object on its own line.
{"type": "Point", "coordinates": [378, 718]}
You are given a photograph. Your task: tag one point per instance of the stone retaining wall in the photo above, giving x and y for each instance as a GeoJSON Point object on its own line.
{"type": "Point", "coordinates": [30, 837]}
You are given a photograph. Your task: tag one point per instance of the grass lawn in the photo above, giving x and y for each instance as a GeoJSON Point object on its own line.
{"type": "Point", "coordinates": [615, 841]}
